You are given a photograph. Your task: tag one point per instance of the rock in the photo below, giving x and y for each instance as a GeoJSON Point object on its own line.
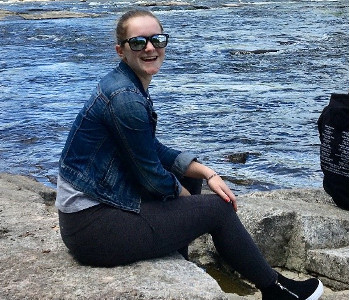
{"type": "Point", "coordinates": [330, 264]}
{"type": "Point", "coordinates": [40, 14]}
{"type": "Point", "coordinates": [5, 14]}
{"type": "Point", "coordinates": [238, 157]}
{"type": "Point", "coordinates": [164, 3]}
{"type": "Point", "coordinates": [172, 4]}
{"type": "Point", "coordinates": [239, 181]}
{"type": "Point", "coordinates": [47, 195]}
{"type": "Point", "coordinates": [35, 264]}
{"type": "Point", "coordinates": [259, 51]}
{"type": "Point", "coordinates": [296, 233]}
{"type": "Point", "coordinates": [299, 229]}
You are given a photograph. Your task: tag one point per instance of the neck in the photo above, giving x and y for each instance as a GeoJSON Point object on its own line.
{"type": "Point", "coordinates": [146, 80]}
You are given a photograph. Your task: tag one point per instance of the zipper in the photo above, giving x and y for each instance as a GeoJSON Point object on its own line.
{"type": "Point", "coordinates": [285, 289]}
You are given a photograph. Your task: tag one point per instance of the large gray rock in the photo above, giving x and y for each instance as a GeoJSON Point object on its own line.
{"type": "Point", "coordinates": [298, 229]}
{"type": "Point", "coordinates": [332, 264]}
{"type": "Point", "coordinates": [34, 263]}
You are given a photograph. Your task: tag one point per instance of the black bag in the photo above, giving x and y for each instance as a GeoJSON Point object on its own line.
{"type": "Point", "coordinates": [333, 127]}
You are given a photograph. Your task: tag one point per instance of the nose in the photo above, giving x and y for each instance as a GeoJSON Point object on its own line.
{"type": "Point", "coordinates": [149, 46]}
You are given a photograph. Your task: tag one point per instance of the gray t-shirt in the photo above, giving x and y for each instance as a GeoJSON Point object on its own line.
{"type": "Point", "coordinates": [69, 200]}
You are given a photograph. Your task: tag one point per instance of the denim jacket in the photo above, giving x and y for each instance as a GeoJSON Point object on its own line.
{"type": "Point", "coordinates": [112, 154]}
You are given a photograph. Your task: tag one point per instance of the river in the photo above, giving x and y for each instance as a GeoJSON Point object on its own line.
{"type": "Point", "coordinates": [214, 95]}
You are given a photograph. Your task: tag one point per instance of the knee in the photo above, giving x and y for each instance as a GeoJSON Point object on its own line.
{"type": "Point", "coordinates": [221, 207]}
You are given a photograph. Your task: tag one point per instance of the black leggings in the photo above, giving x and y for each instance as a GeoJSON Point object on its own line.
{"type": "Point", "coordinates": [106, 236]}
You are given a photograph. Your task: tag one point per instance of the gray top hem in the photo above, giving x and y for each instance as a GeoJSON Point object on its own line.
{"type": "Point", "coordinates": [70, 200]}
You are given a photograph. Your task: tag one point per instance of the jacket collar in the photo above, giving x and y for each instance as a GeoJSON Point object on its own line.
{"type": "Point", "coordinates": [124, 67]}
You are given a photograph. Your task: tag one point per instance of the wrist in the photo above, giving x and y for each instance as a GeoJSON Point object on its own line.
{"type": "Point", "coordinates": [210, 177]}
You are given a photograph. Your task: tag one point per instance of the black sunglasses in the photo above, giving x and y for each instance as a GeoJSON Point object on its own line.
{"type": "Point", "coordinates": [139, 43]}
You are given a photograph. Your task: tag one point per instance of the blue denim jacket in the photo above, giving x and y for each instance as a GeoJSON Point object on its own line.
{"type": "Point", "coordinates": [111, 153]}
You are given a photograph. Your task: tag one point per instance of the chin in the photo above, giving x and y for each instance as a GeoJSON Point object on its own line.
{"type": "Point", "coordinates": [152, 71]}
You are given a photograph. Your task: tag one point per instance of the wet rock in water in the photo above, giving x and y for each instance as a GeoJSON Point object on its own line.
{"type": "Point", "coordinates": [52, 179]}
{"type": "Point", "coordinates": [286, 43]}
{"type": "Point", "coordinates": [29, 141]}
{"type": "Point", "coordinates": [238, 158]}
{"type": "Point", "coordinates": [201, 7]}
{"type": "Point", "coordinates": [170, 3]}
{"type": "Point", "coordinates": [5, 14]}
{"type": "Point", "coordinates": [40, 15]}
{"type": "Point", "coordinates": [259, 51]}
{"type": "Point", "coordinates": [173, 4]}
{"type": "Point", "coordinates": [238, 181]}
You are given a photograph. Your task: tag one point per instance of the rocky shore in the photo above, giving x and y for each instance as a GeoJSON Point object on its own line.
{"type": "Point", "coordinates": [298, 230]}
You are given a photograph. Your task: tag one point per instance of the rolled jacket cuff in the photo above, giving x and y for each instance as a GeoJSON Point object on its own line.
{"type": "Point", "coordinates": [181, 163]}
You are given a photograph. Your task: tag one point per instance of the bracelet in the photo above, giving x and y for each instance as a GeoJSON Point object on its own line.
{"type": "Point", "coordinates": [211, 176]}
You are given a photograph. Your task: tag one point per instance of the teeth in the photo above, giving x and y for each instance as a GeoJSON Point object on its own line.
{"type": "Point", "coordinates": [150, 58]}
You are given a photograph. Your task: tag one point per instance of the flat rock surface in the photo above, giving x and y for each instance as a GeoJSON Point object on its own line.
{"type": "Point", "coordinates": [41, 14]}
{"type": "Point", "coordinates": [34, 263]}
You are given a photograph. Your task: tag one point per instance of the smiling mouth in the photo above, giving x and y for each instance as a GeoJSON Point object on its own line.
{"type": "Point", "coordinates": [149, 59]}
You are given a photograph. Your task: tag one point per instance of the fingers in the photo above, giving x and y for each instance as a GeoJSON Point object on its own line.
{"type": "Point", "coordinates": [234, 204]}
{"type": "Point", "coordinates": [232, 198]}
{"type": "Point", "coordinates": [218, 186]}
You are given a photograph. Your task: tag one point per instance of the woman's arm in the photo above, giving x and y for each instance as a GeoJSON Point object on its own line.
{"type": "Point", "coordinates": [129, 122]}
{"type": "Point", "coordinates": [214, 181]}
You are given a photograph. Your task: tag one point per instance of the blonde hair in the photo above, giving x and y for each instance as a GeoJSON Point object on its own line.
{"type": "Point", "coordinates": [121, 29]}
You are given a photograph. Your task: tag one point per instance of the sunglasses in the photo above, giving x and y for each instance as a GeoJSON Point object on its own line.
{"type": "Point", "coordinates": [139, 43]}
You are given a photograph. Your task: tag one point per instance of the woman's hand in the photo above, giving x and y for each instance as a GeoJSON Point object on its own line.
{"type": "Point", "coordinates": [218, 186]}
{"type": "Point", "coordinates": [214, 181]}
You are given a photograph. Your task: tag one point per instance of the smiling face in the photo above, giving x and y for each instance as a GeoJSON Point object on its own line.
{"type": "Point", "coordinates": [148, 61]}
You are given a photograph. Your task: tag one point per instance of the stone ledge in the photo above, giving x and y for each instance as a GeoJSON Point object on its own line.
{"type": "Point", "coordinates": [42, 14]}
{"type": "Point", "coordinates": [35, 264]}
{"type": "Point", "coordinates": [295, 229]}
{"type": "Point", "coordinates": [330, 261]}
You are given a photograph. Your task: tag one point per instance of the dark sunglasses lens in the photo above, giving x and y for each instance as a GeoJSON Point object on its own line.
{"type": "Point", "coordinates": [137, 43]}
{"type": "Point", "coordinates": [159, 40]}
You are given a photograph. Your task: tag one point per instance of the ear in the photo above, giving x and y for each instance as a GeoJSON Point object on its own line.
{"type": "Point", "coordinates": [119, 50]}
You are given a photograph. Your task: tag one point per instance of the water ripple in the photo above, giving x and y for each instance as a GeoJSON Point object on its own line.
{"type": "Point", "coordinates": [253, 79]}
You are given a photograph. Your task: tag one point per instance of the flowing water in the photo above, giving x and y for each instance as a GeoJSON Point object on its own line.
{"type": "Point", "coordinates": [214, 96]}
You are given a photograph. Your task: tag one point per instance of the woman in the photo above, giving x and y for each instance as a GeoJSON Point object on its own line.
{"type": "Point", "coordinates": [123, 196]}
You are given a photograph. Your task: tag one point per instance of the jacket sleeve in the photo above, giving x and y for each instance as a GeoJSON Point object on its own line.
{"type": "Point", "coordinates": [174, 161]}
